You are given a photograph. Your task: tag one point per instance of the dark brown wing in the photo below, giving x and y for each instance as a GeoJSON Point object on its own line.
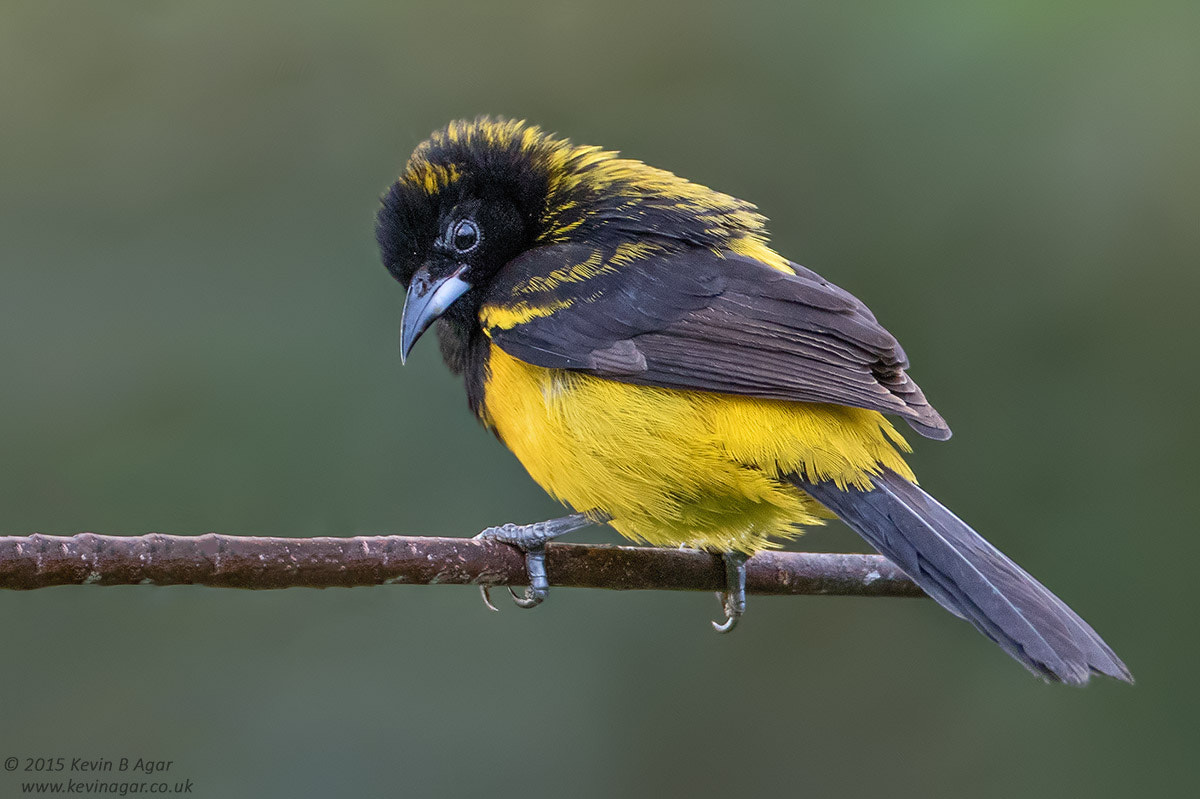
{"type": "Point", "coordinates": [696, 319]}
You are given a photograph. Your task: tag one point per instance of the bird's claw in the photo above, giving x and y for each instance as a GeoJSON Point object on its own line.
{"type": "Point", "coordinates": [727, 625]}
{"type": "Point", "coordinates": [733, 598]}
{"type": "Point", "coordinates": [487, 597]}
{"type": "Point", "coordinates": [532, 598]}
{"type": "Point", "coordinates": [732, 612]}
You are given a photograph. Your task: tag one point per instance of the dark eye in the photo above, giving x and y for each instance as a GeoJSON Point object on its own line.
{"type": "Point", "coordinates": [466, 236]}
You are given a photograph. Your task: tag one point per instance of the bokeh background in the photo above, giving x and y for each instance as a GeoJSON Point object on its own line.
{"type": "Point", "coordinates": [196, 335]}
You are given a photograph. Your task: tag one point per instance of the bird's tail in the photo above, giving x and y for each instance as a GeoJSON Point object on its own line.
{"type": "Point", "coordinates": [971, 578]}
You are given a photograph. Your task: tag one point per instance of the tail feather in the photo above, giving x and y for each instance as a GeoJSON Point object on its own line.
{"type": "Point", "coordinates": [971, 578]}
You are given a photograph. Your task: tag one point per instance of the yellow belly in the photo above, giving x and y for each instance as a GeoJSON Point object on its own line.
{"type": "Point", "coordinates": [681, 468]}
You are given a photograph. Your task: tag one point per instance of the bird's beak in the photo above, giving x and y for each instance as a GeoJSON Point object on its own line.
{"type": "Point", "coordinates": [427, 299]}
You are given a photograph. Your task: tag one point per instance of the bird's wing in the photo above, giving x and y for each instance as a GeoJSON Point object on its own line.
{"type": "Point", "coordinates": [697, 319]}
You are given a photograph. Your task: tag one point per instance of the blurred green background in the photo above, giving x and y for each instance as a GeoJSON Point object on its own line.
{"type": "Point", "coordinates": [196, 335]}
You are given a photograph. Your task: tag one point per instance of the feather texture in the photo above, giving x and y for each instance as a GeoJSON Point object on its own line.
{"type": "Point", "coordinates": [703, 320]}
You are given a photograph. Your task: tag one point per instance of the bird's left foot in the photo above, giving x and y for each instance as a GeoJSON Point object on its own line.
{"type": "Point", "coordinates": [531, 539]}
{"type": "Point", "coordinates": [734, 597]}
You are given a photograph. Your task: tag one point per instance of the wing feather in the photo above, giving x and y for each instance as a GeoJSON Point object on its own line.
{"type": "Point", "coordinates": [700, 320]}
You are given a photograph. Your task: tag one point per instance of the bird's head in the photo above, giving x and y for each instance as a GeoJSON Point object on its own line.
{"type": "Point", "coordinates": [477, 194]}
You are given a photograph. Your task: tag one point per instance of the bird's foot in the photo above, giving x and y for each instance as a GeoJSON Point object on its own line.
{"type": "Point", "coordinates": [531, 539]}
{"type": "Point", "coordinates": [733, 598]}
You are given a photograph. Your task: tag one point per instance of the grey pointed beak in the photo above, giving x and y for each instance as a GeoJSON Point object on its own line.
{"type": "Point", "coordinates": [427, 299]}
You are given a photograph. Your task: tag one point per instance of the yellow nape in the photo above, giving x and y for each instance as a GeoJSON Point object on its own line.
{"type": "Point", "coordinates": [682, 468]}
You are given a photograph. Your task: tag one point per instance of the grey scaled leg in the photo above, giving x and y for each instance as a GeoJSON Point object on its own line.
{"type": "Point", "coordinates": [734, 597]}
{"type": "Point", "coordinates": [531, 539]}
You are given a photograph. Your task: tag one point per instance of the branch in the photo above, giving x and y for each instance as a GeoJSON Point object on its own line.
{"type": "Point", "coordinates": [226, 561]}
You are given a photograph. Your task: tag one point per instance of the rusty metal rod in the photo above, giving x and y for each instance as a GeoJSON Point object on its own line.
{"type": "Point", "coordinates": [253, 562]}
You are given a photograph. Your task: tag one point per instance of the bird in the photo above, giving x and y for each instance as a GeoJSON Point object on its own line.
{"type": "Point", "coordinates": [632, 337]}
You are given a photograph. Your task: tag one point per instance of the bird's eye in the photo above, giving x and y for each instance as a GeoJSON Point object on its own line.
{"type": "Point", "coordinates": [466, 236]}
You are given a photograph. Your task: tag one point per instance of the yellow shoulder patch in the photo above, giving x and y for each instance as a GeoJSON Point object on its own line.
{"type": "Point", "coordinates": [504, 317]}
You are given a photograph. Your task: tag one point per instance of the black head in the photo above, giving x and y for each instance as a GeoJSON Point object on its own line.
{"type": "Point", "coordinates": [476, 194]}
{"type": "Point", "coordinates": [470, 199]}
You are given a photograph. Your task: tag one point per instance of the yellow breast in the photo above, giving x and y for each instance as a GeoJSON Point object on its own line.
{"type": "Point", "coordinates": [681, 468]}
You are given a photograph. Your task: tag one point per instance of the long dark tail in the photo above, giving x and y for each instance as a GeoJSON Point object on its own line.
{"type": "Point", "coordinates": [971, 578]}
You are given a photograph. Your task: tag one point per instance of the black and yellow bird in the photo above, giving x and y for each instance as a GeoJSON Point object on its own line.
{"type": "Point", "coordinates": [653, 363]}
